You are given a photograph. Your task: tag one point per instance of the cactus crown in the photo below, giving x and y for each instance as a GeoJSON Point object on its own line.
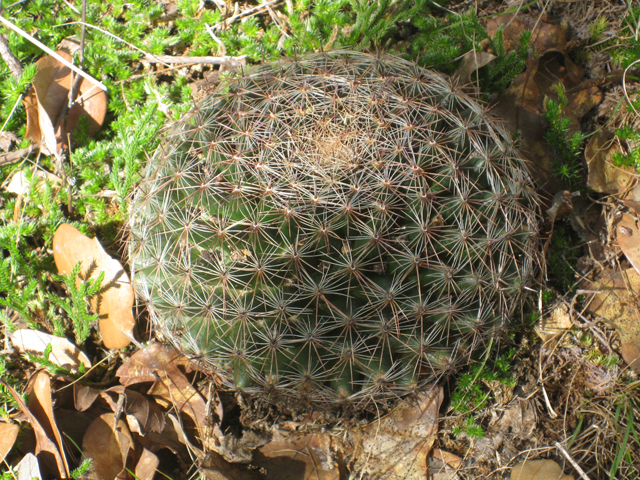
{"type": "Point", "coordinates": [338, 228]}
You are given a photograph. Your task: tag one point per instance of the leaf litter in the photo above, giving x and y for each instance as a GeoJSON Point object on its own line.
{"type": "Point", "coordinates": [135, 414]}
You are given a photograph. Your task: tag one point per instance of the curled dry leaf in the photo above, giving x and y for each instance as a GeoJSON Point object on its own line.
{"type": "Point", "coordinates": [8, 435]}
{"type": "Point", "coordinates": [397, 445]}
{"type": "Point", "coordinates": [63, 353]}
{"type": "Point", "coordinates": [115, 302]}
{"type": "Point", "coordinates": [538, 470]}
{"type": "Point", "coordinates": [561, 205]}
{"type": "Point", "coordinates": [147, 414]}
{"type": "Point", "coordinates": [108, 446]}
{"type": "Point", "coordinates": [174, 438]}
{"type": "Point", "coordinates": [47, 98]}
{"type": "Point", "coordinates": [471, 62]}
{"type": "Point", "coordinates": [159, 363]}
{"type": "Point", "coordinates": [40, 405]}
{"type": "Point", "coordinates": [43, 442]}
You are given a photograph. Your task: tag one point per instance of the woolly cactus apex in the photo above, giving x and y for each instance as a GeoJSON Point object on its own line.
{"type": "Point", "coordinates": [337, 228]}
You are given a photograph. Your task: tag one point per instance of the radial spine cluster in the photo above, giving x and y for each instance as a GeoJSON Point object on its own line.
{"type": "Point", "coordinates": [340, 228]}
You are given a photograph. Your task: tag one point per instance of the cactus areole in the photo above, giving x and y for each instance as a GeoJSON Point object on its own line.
{"type": "Point", "coordinates": [340, 228]}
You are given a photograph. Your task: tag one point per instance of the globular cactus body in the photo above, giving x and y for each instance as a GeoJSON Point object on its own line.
{"type": "Point", "coordinates": [338, 228]}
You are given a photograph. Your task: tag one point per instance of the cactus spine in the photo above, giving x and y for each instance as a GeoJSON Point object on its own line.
{"type": "Point", "coordinates": [338, 228]}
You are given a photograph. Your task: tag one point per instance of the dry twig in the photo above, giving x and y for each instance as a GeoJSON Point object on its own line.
{"type": "Point", "coordinates": [10, 59]}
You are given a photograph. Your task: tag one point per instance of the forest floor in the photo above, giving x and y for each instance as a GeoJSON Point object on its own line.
{"type": "Point", "coordinates": [86, 392]}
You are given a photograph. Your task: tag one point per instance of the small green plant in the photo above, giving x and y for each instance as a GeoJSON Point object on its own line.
{"type": "Point", "coordinates": [76, 306]}
{"type": "Point", "coordinates": [562, 255]}
{"type": "Point", "coordinates": [632, 138]}
{"type": "Point", "coordinates": [82, 470]}
{"type": "Point", "coordinates": [473, 393]}
{"type": "Point", "coordinates": [567, 144]}
{"type": "Point", "coordinates": [42, 361]}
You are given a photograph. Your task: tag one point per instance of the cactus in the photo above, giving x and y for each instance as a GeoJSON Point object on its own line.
{"type": "Point", "coordinates": [340, 228]}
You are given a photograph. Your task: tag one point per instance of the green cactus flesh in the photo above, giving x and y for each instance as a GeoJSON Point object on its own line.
{"type": "Point", "coordinates": [338, 228]}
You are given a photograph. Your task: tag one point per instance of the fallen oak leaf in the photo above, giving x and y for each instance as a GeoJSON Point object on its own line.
{"type": "Point", "coordinates": [40, 404]}
{"type": "Point", "coordinates": [108, 446]}
{"type": "Point", "coordinates": [47, 99]}
{"type": "Point", "coordinates": [114, 303]}
{"type": "Point", "coordinates": [305, 458]}
{"type": "Point", "coordinates": [63, 353]}
{"type": "Point", "coordinates": [628, 237]}
{"type": "Point", "coordinates": [397, 445]}
{"type": "Point", "coordinates": [84, 396]}
{"type": "Point", "coordinates": [538, 470]}
{"type": "Point", "coordinates": [44, 101]}
{"type": "Point", "coordinates": [146, 413]}
{"type": "Point", "coordinates": [147, 465]}
{"type": "Point", "coordinates": [8, 436]}
{"type": "Point", "coordinates": [158, 363]}
{"type": "Point", "coordinates": [43, 442]}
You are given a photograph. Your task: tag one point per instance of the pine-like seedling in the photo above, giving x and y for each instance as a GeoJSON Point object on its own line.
{"type": "Point", "coordinates": [340, 228]}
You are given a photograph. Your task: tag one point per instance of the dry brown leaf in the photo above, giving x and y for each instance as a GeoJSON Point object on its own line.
{"type": "Point", "coordinates": [304, 458]}
{"type": "Point", "coordinates": [107, 446]}
{"type": "Point", "coordinates": [544, 36]}
{"type": "Point", "coordinates": [47, 97]}
{"type": "Point", "coordinates": [84, 396]}
{"type": "Point", "coordinates": [147, 465]}
{"type": "Point", "coordinates": [538, 470]}
{"type": "Point", "coordinates": [471, 62]}
{"type": "Point", "coordinates": [397, 445]}
{"type": "Point", "coordinates": [617, 305]}
{"type": "Point", "coordinates": [628, 237]}
{"type": "Point", "coordinates": [447, 458]}
{"type": "Point", "coordinates": [44, 444]}
{"type": "Point", "coordinates": [45, 100]}
{"type": "Point", "coordinates": [604, 176]}
{"type": "Point", "coordinates": [631, 355]}
{"type": "Point", "coordinates": [40, 404]}
{"type": "Point", "coordinates": [114, 304]}
{"type": "Point", "coordinates": [63, 352]}
{"type": "Point", "coordinates": [561, 205]}
{"type": "Point", "coordinates": [554, 323]}
{"type": "Point", "coordinates": [8, 435]}
{"type": "Point", "coordinates": [147, 414]}
{"type": "Point", "coordinates": [29, 468]}
{"type": "Point", "coordinates": [158, 363]}
{"type": "Point", "coordinates": [174, 438]}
